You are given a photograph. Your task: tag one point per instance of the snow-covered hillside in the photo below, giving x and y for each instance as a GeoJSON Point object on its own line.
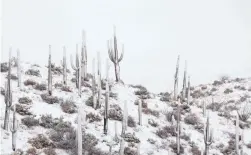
{"type": "Point", "coordinates": [156, 136]}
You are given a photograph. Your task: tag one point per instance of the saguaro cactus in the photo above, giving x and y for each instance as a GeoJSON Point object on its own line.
{"type": "Point", "coordinates": [49, 73]}
{"type": "Point", "coordinates": [84, 58]}
{"type": "Point", "coordinates": [18, 69]}
{"type": "Point", "coordinates": [8, 96]}
{"type": "Point", "coordinates": [176, 80]}
{"type": "Point", "coordinates": [208, 136]}
{"type": "Point", "coordinates": [237, 136]}
{"type": "Point", "coordinates": [140, 112]}
{"type": "Point", "coordinates": [81, 122]}
{"type": "Point", "coordinates": [188, 90]}
{"type": "Point", "coordinates": [184, 82]}
{"type": "Point", "coordinates": [124, 122]}
{"type": "Point", "coordinates": [77, 69]}
{"type": "Point", "coordinates": [116, 138]}
{"type": "Point", "coordinates": [94, 88]}
{"type": "Point", "coordinates": [13, 128]}
{"type": "Point", "coordinates": [64, 65]}
{"type": "Point", "coordinates": [122, 146]}
{"type": "Point", "coordinates": [106, 99]}
{"type": "Point", "coordinates": [204, 108]}
{"type": "Point", "coordinates": [114, 56]}
{"type": "Point", "coordinates": [178, 128]}
{"type": "Point", "coordinates": [99, 80]}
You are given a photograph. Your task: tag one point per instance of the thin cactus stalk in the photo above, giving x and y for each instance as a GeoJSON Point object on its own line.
{"type": "Point", "coordinates": [114, 56]}
{"type": "Point", "coordinates": [8, 96]}
{"type": "Point", "coordinates": [81, 122]}
{"type": "Point", "coordinates": [13, 128]}
{"type": "Point", "coordinates": [121, 147]}
{"type": "Point", "coordinates": [106, 98]}
{"type": "Point", "coordinates": [124, 122]}
{"type": "Point", "coordinates": [110, 149]}
{"type": "Point", "coordinates": [77, 69]}
{"type": "Point", "coordinates": [64, 65]}
{"type": "Point", "coordinates": [18, 69]}
{"type": "Point", "coordinates": [49, 73]}
{"type": "Point", "coordinates": [94, 90]}
{"type": "Point", "coordinates": [84, 58]}
{"type": "Point", "coordinates": [188, 90]}
{"type": "Point", "coordinates": [176, 80]}
{"type": "Point", "coordinates": [138, 149]}
{"type": "Point", "coordinates": [116, 132]}
{"type": "Point", "coordinates": [237, 135]}
{"type": "Point", "coordinates": [208, 136]}
{"type": "Point", "coordinates": [204, 109]}
{"type": "Point", "coordinates": [184, 82]}
{"type": "Point", "coordinates": [140, 112]}
{"type": "Point", "coordinates": [99, 81]}
{"type": "Point", "coordinates": [178, 128]}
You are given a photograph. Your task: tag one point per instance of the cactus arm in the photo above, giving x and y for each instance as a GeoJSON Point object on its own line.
{"type": "Point", "coordinates": [122, 54]}
{"type": "Point", "coordinates": [72, 65]}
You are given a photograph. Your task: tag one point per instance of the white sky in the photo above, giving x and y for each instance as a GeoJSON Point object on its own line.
{"type": "Point", "coordinates": [213, 36]}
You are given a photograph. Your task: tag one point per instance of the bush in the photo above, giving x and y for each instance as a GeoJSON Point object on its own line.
{"type": "Point", "coordinates": [68, 106]}
{"type": "Point", "coordinates": [195, 150]}
{"type": "Point", "coordinates": [24, 100]}
{"type": "Point", "coordinates": [185, 137]}
{"type": "Point", "coordinates": [49, 151]}
{"type": "Point", "coordinates": [217, 83]}
{"type": "Point", "coordinates": [49, 99]}
{"type": "Point", "coordinates": [245, 113]}
{"type": "Point", "coordinates": [29, 82]}
{"type": "Point", "coordinates": [58, 85]}
{"type": "Point", "coordinates": [22, 110]}
{"type": "Point", "coordinates": [197, 94]}
{"type": "Point", "coordinates": [12, 77]}
{"type": "Point", "coordinates": [131, 122]}
{"type": "Point", "coordinates": [56, 69]}
{"type": "Point", "coordinates": [46, 121]}
{"type": "Point", "coordinates": [113, 95]}
{"type": "Point", "coordinates": [115, 112]}
{"type": "Point", "coordinates": [93, 117]}
{"type": "Point", "coordinates": [230, 148]}
{"type": "Point", "coordinates": [62, 126]}
{"type": "Point", "coordinates": [150, 111]}
{"type": "Point", "coordinates": [143, 102]}
{"type": "Point", "coordinates": [215, 106]}
{"type": "Point", "coordinates": [191, 119]}
{"type": "Point", "coordinates": [131, 138]}
{"type": "Point", "coordinates": [66, 89]}
{"type": "Point", "coordinates": [142, 91]}
{"type": "Point", "coordinates": [40, 142]}
{"type": "Point", "coordinates": [31, 151]}
{"type": "Point", "coordinates": [166, 131]}
{"type": "Point", "coordinates": [40, 87]}
{"type": "Point", "coordinates": [228, 91]}
{"type": "Point", "coordinates": [89, 101]}
{"type": "Point", "coordinates": [30, 121]}
{"type": "Point", "coordinates": [152, 123]}
{"type": "Point", "coordinates": [174, 147]}
{"type": "Point", "coordinates": [213, 89]}
{"type": "Point", "coordinates": [4, 67]}
{"type": "Point", "coordinates": [165, 97]}
{"type": "Point", "coordinates": [130, 151]}
{"type": "Point", "coordinates": [33, 72]}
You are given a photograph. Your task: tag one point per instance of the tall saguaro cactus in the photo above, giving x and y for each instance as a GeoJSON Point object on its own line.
{"type": "Point", "coordinates": [84, 58]}
{"type": "Point", "coordinates": [64, 65]}
{"type": "Point", "coordinates": [49, 73]}
{"type": "Point", "coordinates": [237, 135]}
{"type": "Point", "coordinates": [81, 122]}
{"type": "Point", "coordinates": [188, 90]}
{"type": "Point", "coordinates": [13, 128]}
{"type": "Point", "coordinates": [122, 146]}
{"type": "Point", "coordinates": [94, 88]}
{"type": "Point", "coordinates": [99, 80]}
{"type": "Point", "coordinates": [8, 96]}
{"type": "Point", "coordinates": [124, 122]}
{"type": "Point", "coordinates": [114, 56]}
{"type": "Point", "coordinates": [18, 69]}
{"type": "Point", "coordinates": [208, 136]}
{"type": "Point", "coordinates": [178, 128]}
{"type": "Point", "coordinates": [184, 82]}
{"type": "Point", "coordinates": [140, 112]}
{"type": "Point", "coordinates": [175, 91]}
{"type": "Point", "coordinates": [106, 98]}
{"type": "Point", "coordinates": [77, 69]}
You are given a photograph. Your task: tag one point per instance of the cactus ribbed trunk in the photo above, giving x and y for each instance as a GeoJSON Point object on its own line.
{"type": "Point", "coordinates": [64, 67]}
{"type": "Point", "coordinates": [13, 129]}
{"type": "Point", "coordinates": [204, 109]}
{"type": "Point", "coordinates": [94, 97]}
{"type": "Point", "coordinates": [99, 80]}
{"type": "Point", "coordinates": [49, 73]}
{"type": "Point", "coordinates": [106, 99]}
{"type": "Point", "coordinates": [18, 69]}
{"type": "Point", "coordinates": [77, 69]}
{"type": "Point", "coordinates": [140, 112]}
{"type": "Point", "coordinates": [124, 123]}
{"type": "Point", "coordinates": [188, 90]}
{"type": "Point", "coordinates": [237, 135]}
{"type": "Point", "coordinates": [175, 91]}
{"type": "Point", "coordinates": [121, 147]}
{"type": "Point", "coordinates": [116, 132]}
{"type": "Point", "coordinates": [84, 58]}
{"type": "Point", "coordinates": [178, 128]}
{"type": "Point", "coordinates": [79, 134]}
{"type": "Point", "coordinates": [184, 83]}
{"type": "Point", "coordinates": [208, 136]}
{"type": "Point", "coordinates": [6, 118]}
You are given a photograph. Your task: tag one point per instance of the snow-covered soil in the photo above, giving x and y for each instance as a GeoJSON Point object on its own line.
{"type": "Point", "coordinates": [222, 127]}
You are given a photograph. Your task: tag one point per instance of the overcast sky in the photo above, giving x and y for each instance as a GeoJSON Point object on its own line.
{"type": "Point", "coordinates": [213, 36]}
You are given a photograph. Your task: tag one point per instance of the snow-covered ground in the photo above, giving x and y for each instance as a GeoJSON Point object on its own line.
{"type": "Point", "coordinates": [145, 133]}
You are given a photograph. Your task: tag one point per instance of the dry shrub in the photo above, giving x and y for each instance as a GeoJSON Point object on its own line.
{"type": "Point", "coordinates": [41, 141]}
{"type": "Point", "coordinates": [22, 109]}
{"type": "Point", "coordinates": [165, 97]}
{"type": "Point", "coordinates": [142, 92]}
{"type": "Point", "coordinates": [66, 89]}
{"type": "Point", "coordinates": [131, 122]}
{"type": "Point", "coordinates": [89, 101]}
{"type": "Point", "coordinates": [228, 91]}
{"type": "Point", "coordinates": [58, 85]}
{"type": "Point", "coordinates": [151, 112]}
{"type": "Point", "coordinates": [191, 119]}
{"type": "Point", "coordinates": [166, 131]}
{"type": "Point", "coordinates": [41, 87]}
{"type": "Point", "coordinates": [130, 151]}
{"type": "Point", "coordinates": [49, 151]}
{"type": "Point", "coordinates": [131, 138]}
{"type": "Point", "coordinates": [153, 123]}
{"type": "Point", "coordinates": [174, 147]}
{"type": "Point", "coordinates": [93, 117]}
{"type": "Point", "coordinates": [68, 106]}
{"type": "Point", "coordinates": [46, 121]}
{"type": "Point", "coordinates": [29, 82]}
{"type": "Point", "coordinates": [33, 72]}
{"type": "Point", "coordinates": [215, 106]}
{"type": "Point", "coordinates": [12, 77]}
{"type": "Point", "coordinates": [24, 100]}
{"type": "Point", "coordinates": [30, 121]}
{"type": "Point", "coordinates": [31, 151]}
{"type": "Point", "coordinates": [115, 112]}
{"type": "Point", "coordinates": [49, 99]}
{"type": "Point", "coordinates": [195, 150]}
{"type": "Point", "coordinates": [4, 67]}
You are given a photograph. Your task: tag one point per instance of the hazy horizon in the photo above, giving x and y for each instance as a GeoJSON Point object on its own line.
{"type": "Point", "coordinates": [213, 36]}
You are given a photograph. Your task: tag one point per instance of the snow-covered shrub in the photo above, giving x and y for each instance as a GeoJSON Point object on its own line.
{"type": "Point", "coordinates": [4, 67]}
{"type": "Point", "coordinates": [113, 95]}
{"type": "Point", "coordinates": [131, 122]}
{"type": "Point", "coordinates": [244, 98]}
{"type": "Point", "coordinates": [29, 82]}
{"type": "Point", "coordinates": [49, 99]}
{"type": "Point", "coordinates": [230, 148]}
{"type": "Point", "coordinates": [185, 137]}
{"type": "Point", "coordinates": [61, 125]}
{"type": "Point", "coordinates": [131, 138]}
{"type": "Point", "coordinates": [203, 87]}
{"type": "Point", "coordinates": [22, 109]}
{"type": "Point", "coordinates": [115, 112]}
{"type": "Point", "coordinates": [130, 151]}
{"type": "Point", "coordinates": [153, 123]}
{"type": "Point", "coordinates": [93, 117]}
{"type": "Point", "coordinates": [151, 141]}
{"type": "Point", "coordinates": [41, 141]}
{"type": "Point", "coordinates": [49, 151]}
{"type": "Point", "coordinates": [165, 97]}
{"type": "Point", "coordinates": [66, 89]}
{"type": "Point", "coordinates": [24, 100]}
{"type": "Point", "coordinates": [173, 145]}
{"type": "Point", "coordinates": [245, 112]}
{"type": "Point", "coordinates": [30, 121]}
{"type": "Point", "coordinates": [89, 101]}
{"type": "Point", "coordinates": [166, 131]}
{"type": "Point", "coordinates": [215, 106]}
{"type": "Point", "coordinates": [68, 140]}
{"type": "Point", "coordinates": [142, 92]}
{"type": "Point", "coordinates": [217, 83]}
{"type": "Point", "coordinates": [213, 89]}
{"type": "Point", "coordinates": [12, 77]}
{"type": "Point", "coordinates": [191, 119]}
{"type": "Point", "coordinates": [68, 106]}
{"type": "Point", "coordinates": [41, 86]}
{"type": "Point", "coordinates": [89, 141]}
{"type": "Point", "coordinates": [46, 121]}
{"type": "Point", "coordinates": [58, 85]}
{"type": "Point", "coordinates": [228, 91]}
{"type": "Point", "coordinates": [240, 87]}
{"type": "Point", "coordinates": [33, 72]}
{"type": "Point", "coordinates": [195, 150]}
{"type": "Point", "coordinates": [197, 94]}
{"type": "Point", "coordinates": [150, 111]}
{"type": "Point", "coordinates": [56, 69]}
{"type": "Point", "coordinates": [32, 151]}
{"type": "Point", "coordinates": [85, 84]}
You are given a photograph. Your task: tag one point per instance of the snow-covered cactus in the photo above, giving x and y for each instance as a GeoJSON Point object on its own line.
{"type": "Point", "coordinates": [13, 128]}
{"type": "Point", "coordinates": [208, 136]}
{"type": "Point", "coordinates": [77, 69]}
{"type": "Point", "coordinates": [114, 55]}
{"type": "Point", "coordinates": [99, 81]}
{"type": "Point", "coordinates": [124, 122]}
{"type": "Point", "coordinates": [184, 83]}
{"type": "Point", "coordinates": [122, 146]}
{"type": "Point", "coordinates": [84, 58]}
{"type": "Point", "coordinates": [94, 88]}
{"type": "Point", "coordinates": [176, 80]}
{"type": "Point", "coordinates": [64, 65]}
{"type": "Point", "coordinates": [178, 128]}
{"type": "Point", "coordinates": [237, 135]}
{"type": "Point", "coordinates": [49, 73]}
{"type": "Point", "coordinates": [81, 122]}
{"type": "Point", "coordinates": [188, 90]}
{"type": "Point", "coordinates": [138, 149]}
{"type": "Point", "coordinates": [18, 69]}
{"type": "Point", "coordinates": [106, 98]}
{"type": "Point", "coordinates": [140, 112]}
{"type": "Point", "coordinates": [204, 108]}
{"type": "Point", "coordinates": [8, 96]}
